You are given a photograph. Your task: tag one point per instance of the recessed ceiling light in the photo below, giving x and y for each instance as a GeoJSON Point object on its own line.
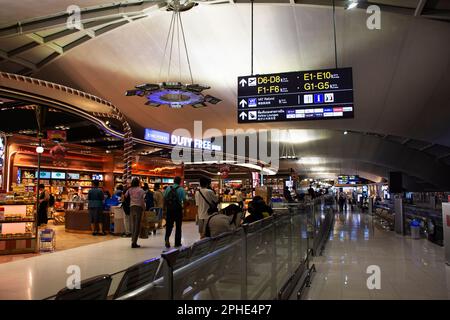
{"type": "Point", "coordinates": [345, 132]}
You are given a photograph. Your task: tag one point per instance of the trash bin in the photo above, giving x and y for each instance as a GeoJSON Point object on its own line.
{"type": "Point", "coordinates": [415, 229]}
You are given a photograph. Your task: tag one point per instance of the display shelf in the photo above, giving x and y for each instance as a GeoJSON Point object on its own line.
{"type": "Point", "coordinates": [17, 238]}
{"type": "Point", "coordinates": [16, 221]}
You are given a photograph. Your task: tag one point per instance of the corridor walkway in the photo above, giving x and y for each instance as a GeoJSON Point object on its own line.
{"type": "Point", "coordinates": [410, 269]}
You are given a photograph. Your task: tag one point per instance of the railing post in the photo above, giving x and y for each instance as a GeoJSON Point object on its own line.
{"type": "Point", "coordinates": [169, 259]}
{"type": "Point", "coordinates": [244, 264]}
{"type": "Point", "coordinates": [274, 258]}
{"type": "Point", "coordinates": [290, 248]}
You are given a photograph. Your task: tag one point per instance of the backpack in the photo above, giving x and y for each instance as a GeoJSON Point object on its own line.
{"type": "Point", "coordinates": [171, 200]}
{"type": "Point", "coordinates": [149, 201]}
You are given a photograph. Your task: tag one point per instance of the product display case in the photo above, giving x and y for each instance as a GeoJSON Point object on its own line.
{"type": "Point", "coordinates": [17, 224]}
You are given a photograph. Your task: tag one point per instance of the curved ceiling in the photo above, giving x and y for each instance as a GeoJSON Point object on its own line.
{"type": "Point", "coordinates": [401, 74]}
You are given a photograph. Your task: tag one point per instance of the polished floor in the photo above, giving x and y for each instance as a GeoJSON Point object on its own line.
{"type": "Point", "coordinates": [409, 269]}
{"type": "Point", "coordinates": [64, 240]}
{"type": "Point", "coordinates": [41, 276]}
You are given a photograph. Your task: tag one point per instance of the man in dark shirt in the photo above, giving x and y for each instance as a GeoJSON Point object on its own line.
{"type": "Point", "coordinates": [95, 207]}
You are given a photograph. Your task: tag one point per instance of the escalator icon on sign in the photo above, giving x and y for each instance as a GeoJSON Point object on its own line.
{"type": "Point", "coordinates": [252, 115]}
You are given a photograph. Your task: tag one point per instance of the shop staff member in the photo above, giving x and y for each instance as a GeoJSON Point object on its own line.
{"type": "Point", "coordinates": [43, 205]}
{"type": "Point", "coordinates": [137, 207]}
{"type": "Point", "coordinates": [95, 207]}
{"type": "Point", "coordinates": [204, 198]}
{"type": "Point", "coordinates": [173, 202]}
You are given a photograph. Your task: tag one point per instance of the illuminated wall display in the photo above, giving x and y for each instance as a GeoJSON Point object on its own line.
{"type": "Point", "coordinates": [296, 96]}
{"type": "Point", "coordinates": [167, 138]}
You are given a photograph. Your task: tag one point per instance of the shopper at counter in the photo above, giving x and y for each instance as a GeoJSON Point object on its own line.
{"type": "Point", "coordinates": [149, 200]}
{"type": "Point", "coordinates": [95, 208]}
{"type": "Point", "coordinates": [137, 207]}
{"type": "Point", "coordinates": [43, 205]}
{"type": "Point", "coordinates": [173, 202]}
{"type": "Point", "coordinates": [239, 198]}
{"type": "Point", "coordinates": [205, 199]}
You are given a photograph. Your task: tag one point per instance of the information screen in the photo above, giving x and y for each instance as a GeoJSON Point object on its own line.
{"type": "Point", "coordinates": [348, 179]}
{"type": "Point", "coordinates": [44, 174]}
{"type": "Point", "coordinates": [73, 176]}
{"type": "Point", "coordinates": [296, 96]}
{"type": "Point", "coordinates": [98, 177]}
{"type": "Point", "coordinates": [58, 175]}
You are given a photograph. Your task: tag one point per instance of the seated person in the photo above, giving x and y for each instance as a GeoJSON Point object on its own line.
{"type": "Point", "coordinates": [260, 205]}
{"type": "Point", "coordinates": [224, 221]}
{"type": "Point", "coordinates": [234, 212]}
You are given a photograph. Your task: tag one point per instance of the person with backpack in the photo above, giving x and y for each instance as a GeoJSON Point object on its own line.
{"type": "Point", "coordinates": [173, 201]}
{"type": "Point", "coordinates": [206, 201]}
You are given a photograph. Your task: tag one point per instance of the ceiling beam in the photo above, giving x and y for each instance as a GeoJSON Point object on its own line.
{"type": "Point", "coordinates": [46, 60]}
{"type": "Point", "coordinates": [87, 14]}
{"type": "Point", "coordinates": [22, 49]}
{"type": "Point", "coordinates": [17, 60]}
{"type": "Point", "coordinates": [40, 40]}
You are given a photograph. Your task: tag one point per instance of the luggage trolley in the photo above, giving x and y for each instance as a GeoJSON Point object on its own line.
{"type": "Point", "coordinates": [47, 240]}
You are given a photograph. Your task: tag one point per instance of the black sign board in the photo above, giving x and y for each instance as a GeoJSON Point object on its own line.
{"type": "Point", "coordinates": [348, 179]}
{"type": "Point", "coordinates": [296, 96]}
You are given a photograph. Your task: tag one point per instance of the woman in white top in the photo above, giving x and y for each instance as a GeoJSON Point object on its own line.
{"type": "Point", "coordinates": [204, 199]}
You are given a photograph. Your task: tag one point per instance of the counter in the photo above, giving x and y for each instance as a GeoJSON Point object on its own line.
{"type": "Point", "coordinates": [78, 221]}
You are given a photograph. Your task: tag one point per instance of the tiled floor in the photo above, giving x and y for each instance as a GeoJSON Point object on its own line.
{"type": "Point", "coordinates": [41, 276]}
{"type": "Point", "coordinates": [64, 241]}
{"type": "Point", "coordinates": [410, 269]}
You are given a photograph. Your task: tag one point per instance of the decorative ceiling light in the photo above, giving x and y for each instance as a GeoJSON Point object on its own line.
{"type": "Point", "coordinates": [175, 94]}
{"type": "Point", "coordinates": [288, 151]}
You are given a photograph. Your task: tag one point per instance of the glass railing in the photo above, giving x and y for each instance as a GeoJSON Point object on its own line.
{"type": "Point", "coordinates": [255, 262]}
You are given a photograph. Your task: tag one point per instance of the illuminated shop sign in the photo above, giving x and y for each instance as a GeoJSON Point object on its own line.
{"type": "Point", "coordinates": [175, 140]}
{"type": "Point", "coordinates": [295, 96]}
{"type": "Point", "coordinates": [157, 136]}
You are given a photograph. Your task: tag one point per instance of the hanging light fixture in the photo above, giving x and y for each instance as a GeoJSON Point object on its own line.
{"type": "Point", "coordinates": [175, 94]}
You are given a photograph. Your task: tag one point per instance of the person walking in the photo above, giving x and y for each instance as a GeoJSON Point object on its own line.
{"type": "Point", "coordinates": [205, 199]}
{"type": "Point", "coordinates": [149, 200]}
{"type": "Point", "coordinates": [95, 207]}
{"type": "Point", "coordinates": [158, 198]}
{"type": "Point", "coordinates": [173, 201]}
{"type": "Point", "coordinates": [43, 205]}
{"type": "Point", "coordinates": [137, 207]}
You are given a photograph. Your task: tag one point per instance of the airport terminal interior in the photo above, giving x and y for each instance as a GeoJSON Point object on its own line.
{"type": "Point", "coordinates": [225, 150]}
